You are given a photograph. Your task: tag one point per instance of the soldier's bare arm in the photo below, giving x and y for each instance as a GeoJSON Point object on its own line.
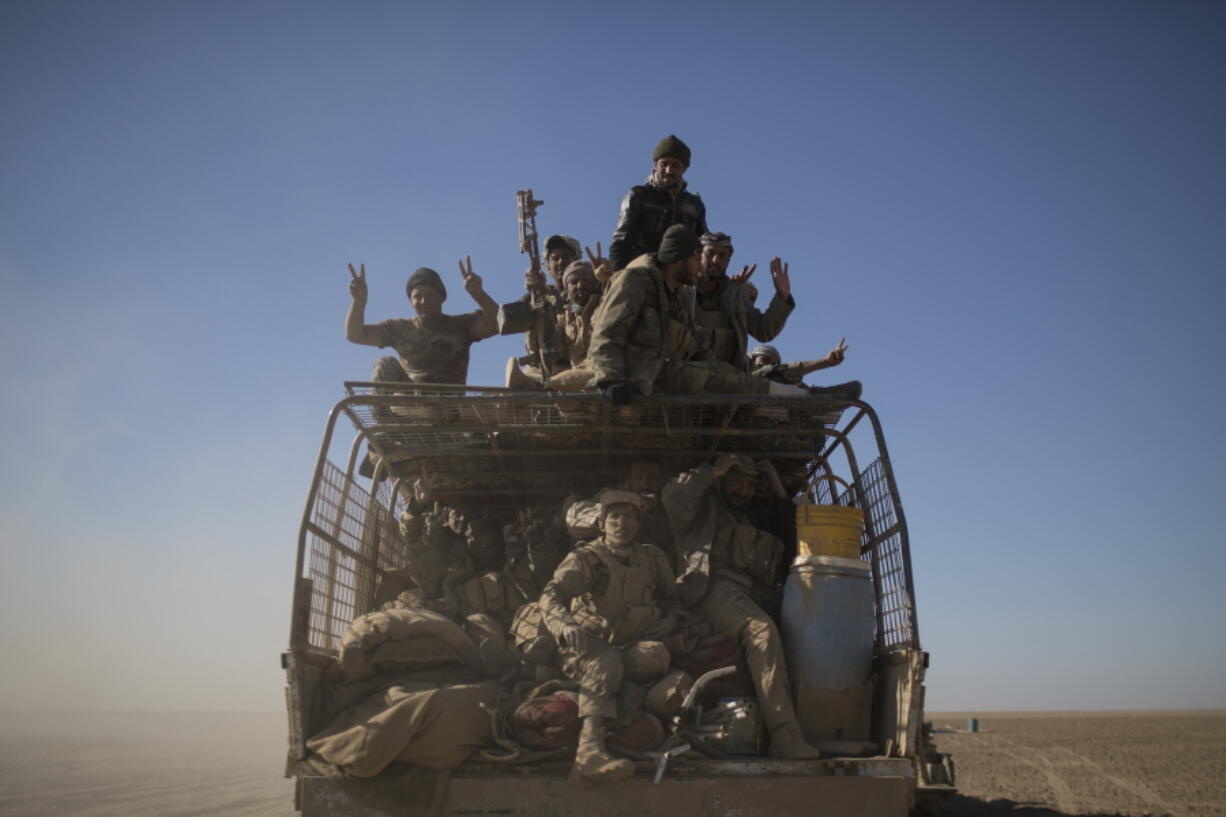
{"type": "Point", "coordinates": [356, 328]}
{"type": "Point", "coordinates": [487, 324]}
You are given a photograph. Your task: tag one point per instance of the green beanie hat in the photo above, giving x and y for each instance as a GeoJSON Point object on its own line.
{"type": "Point", "coordinates": [679, 242]}
{"type": "Point", "coordinates": [425, 277]}
{"type": "Point", "coordinates": [672, 146]}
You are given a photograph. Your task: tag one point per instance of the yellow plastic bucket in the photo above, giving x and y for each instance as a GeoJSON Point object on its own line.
{"type": "Point", "coordinates": [829, 530]}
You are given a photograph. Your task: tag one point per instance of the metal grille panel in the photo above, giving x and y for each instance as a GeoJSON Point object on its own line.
{"type": "Point", "coordinates": [883, 543]}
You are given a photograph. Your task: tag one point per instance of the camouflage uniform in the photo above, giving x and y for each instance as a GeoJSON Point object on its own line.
{"type": "Point", "coordinates": [791, 373]}
{"type": "Point", "coordinates": [616, 599]}
{"type": "Point", "coordinates": [646, 212]}
{"type": "Point", "coordinates": [728, 572]}
{"type": "Point", "coordinates": [727, 317]}
{"type": "Point", "coordinates": [641, 335]}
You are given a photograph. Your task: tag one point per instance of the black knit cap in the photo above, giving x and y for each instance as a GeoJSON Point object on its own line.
{"type": "Point", "coordinates": [424, 276]}
{"type": "Point", "coordinates": [672, 146]}
{"type": "Point", "coordinates": [679, 242]}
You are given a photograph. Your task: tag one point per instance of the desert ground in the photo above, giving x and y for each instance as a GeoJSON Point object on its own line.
{"type": "Point", "coordinates": [196, 764]}
{"type": "Point", "coordinates": [1048, 764]}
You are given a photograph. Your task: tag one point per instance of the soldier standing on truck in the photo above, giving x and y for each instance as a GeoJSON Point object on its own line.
{"type": "Point", "coordinates": [724, 308]}
{"type": "Point", "coordinates": [431, 347]}
{"type": "Point", "coordinates": [729, 571]}
{"type": "Point", "coordinates": [644, 338]}
{"type": "Point", "coordinates": [648, 210]}
{"type": "Point", "coordinates": [605, 601]}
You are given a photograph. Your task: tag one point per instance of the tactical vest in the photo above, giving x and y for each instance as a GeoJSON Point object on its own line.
{"type": "Point", "coordinates": [680, 343]}
{"type": "Point", "coordinates": [748, 550]}
{"type": "Point", "coordinates": [627, 607]}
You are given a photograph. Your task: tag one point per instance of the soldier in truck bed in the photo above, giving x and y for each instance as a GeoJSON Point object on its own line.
{"type": "Point", "coordinates": [729, 571]}
{"type": "Point", "coordinates": [607, 603]}
{"type": "Point", "coordinates": [650, 209]}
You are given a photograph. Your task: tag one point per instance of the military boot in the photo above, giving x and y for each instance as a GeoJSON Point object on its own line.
{"type": "Point", "coordinates": [592, 761]}
{"type": "Point", "coordinates": [788, 743]}
{"type": "Point", "coordinates": [516, 377]}
{"type": "Point", "coordinates": [843, 391]}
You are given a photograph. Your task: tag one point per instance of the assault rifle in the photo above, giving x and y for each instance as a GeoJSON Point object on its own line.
{"type": "Point", "coordinates": [529, 241]}
{"type": "Point", "coordinates": [533, 317]}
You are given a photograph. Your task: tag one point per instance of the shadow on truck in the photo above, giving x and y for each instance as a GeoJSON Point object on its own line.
{"type": "Point", "coordinates": [505, 450]}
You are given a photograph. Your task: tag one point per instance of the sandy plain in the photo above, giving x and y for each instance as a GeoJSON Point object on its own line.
{"type": "Point", "coordinates": [1049, 764]}
{"type": "Point", "coordinates": [1038, 764]}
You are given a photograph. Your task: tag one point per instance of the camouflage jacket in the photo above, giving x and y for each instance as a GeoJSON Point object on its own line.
{"type": "Point", "coordinates": [616, 598]}
{"type": "Point", "coordinates": [646, 212]}
{"type": "Point", "coordinates": [630, 328]}
{"type": "Point", "coordinates": [738, 313]}
{"type": "Point", "coordinates": [792, 373]}
{"type": "Point", "coordinates": [713, 539]}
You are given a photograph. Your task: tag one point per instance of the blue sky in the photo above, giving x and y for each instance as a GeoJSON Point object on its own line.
{"type": "Point", "coordinates": [1013, 211]}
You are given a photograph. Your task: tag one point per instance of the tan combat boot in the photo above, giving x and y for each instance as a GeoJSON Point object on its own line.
{"type": "Point", "coordinates": [788, 743]}
{"type": "Point", "coordinates": [593, 763]}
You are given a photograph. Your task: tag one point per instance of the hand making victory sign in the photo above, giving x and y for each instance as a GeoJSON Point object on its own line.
{"type": "Point", "coordinates": [745, 274]}
{"type": "Point", "coordinates": [600, 264]}
{"type": "Point", "coordinates": [357, 286]}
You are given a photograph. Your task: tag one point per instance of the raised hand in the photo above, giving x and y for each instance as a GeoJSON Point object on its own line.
{"type": "Point", "coordinates": [835, 356]}
{"type": "Point", "coordinates": [472, 281]}
{"type": "Point", "coordinates": [745, 274]}
{"type": "Point", "coordinates": [779, 275]}
{"type": "Point", "coordinates": [357, 284]}
{"type": "Point", "coordinates": [533, 279]}
{"type": "Point", "coordinates": [723, 465]}
{"type": "Point", "coordinates": [600, 264]}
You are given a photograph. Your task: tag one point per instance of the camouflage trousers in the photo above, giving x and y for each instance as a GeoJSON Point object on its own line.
{"type": "Point", "coordinates": [708, 377]}
{"type": "Point", "coordinates": [736, 615]}
{"type": "Point", "coordinates": [387, 369]}
{"type": "Point", "coordinates": [600, 667]}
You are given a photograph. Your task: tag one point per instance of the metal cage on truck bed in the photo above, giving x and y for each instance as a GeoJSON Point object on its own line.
{"type": "Point", "coordinates": [508, 449]}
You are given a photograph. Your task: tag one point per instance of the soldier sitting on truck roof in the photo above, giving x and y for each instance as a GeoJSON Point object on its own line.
{"type": "Point", "coordinates": [431, 347]}
{"type": "Point", "coordinates": [606, 599]}
{"type": "Point", "coordinates": [644, 338]}
{"type": "Point", "coordinates": [724, 309]}
{"type": "Point", "coordinates": [765, 361]}
{"type": "Point", "coordinates": [537, 311]}
{"type": "Point", "coordinates": [571, 333]}
{"type": "Point", "coordinates": [730, 569]}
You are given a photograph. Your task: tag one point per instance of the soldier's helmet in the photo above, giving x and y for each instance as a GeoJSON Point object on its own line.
{"type": "Point", "coordinates": [615, 496]}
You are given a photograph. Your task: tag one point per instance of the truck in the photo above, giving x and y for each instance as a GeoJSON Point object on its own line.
{"type": "Point", "coordinates": [506, 448]}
